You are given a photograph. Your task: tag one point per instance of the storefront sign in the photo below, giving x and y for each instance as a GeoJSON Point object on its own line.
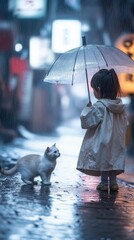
{"type": "Point", "coordinates": [66, 35]}
{"type": "Point", "coordinates": [30, 8]}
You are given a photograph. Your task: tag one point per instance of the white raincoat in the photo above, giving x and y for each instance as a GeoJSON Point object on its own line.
{"type": "Point", "coordinates": [103, 147]}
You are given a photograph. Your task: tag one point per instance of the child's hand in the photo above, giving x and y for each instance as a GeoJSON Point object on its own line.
{"type": "Point", "coordinates": [89, 104]}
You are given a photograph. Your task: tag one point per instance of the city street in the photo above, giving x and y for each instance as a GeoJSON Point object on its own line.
{"type": "Point", "coordinates": [49, 53]}
{"type": "Point", "coordinates": [71, 208]}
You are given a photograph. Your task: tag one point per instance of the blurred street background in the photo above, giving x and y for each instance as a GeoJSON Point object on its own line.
{"type": "Point", "coordinates": [32, 35]}
{"type": "Point", "coordinates": [35, 114]}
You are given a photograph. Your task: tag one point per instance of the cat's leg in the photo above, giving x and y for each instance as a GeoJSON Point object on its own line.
{"type": "Point", "coordinates": [45, 178]}
{"type": "Point", "coordinates": [26, 179]}
{"type": "Point", "coordinates": [29, 182]}
{"type": "Point", "coordinates": [48, 177]}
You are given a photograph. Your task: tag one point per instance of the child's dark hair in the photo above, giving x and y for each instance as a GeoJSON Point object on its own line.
{"type": "Point", "coordinates": [107, 82]}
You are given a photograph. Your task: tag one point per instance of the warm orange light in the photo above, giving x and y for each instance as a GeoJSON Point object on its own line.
{"type": "Point", "coordinates": [126, 44]}
{"type": "Point", "coordinates": [126, 83]}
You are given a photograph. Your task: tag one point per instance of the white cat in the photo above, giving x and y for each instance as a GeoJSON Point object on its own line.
{"type": "Point", "coordinates": [34, 165]}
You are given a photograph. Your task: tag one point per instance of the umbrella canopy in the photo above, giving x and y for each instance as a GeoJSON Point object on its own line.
{"type": "Point", "coordinates": [69, 68]}
{"type": "Point", "coordinates": [80, 64]}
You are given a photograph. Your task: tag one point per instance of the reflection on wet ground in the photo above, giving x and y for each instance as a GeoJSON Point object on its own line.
{"type": "Point", "coordinates": [107, 215]}
{"type": "Point", "coordinates": [71, 208]}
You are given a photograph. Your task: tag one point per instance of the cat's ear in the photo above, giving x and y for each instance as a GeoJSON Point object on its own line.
{"type": "Point", "coordinates": [54, 145]}
{"type": "Point", "coordinates": [48, 149]}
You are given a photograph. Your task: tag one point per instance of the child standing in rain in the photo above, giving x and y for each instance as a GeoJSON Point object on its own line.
{"type": "Point", "coordinates": [103, 149]}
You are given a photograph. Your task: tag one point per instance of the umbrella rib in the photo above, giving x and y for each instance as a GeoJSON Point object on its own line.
{"type": "Point", "coordinates": [102, 56]}
{"type": "Point", "coordinates": [86, 72]}
{"type": "Point", "coordinates": [75, 64]}
{"type": "Point", "coordinates": [52, 66]}
{"type": "Point", "coordinates": [96, 59]}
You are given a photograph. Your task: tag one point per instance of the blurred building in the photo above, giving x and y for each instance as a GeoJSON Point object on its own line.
{"type": "Point", "coordinates": [30, 41]}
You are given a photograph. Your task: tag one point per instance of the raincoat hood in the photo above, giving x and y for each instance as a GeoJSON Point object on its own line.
{"type": "Point", "coordinates": [115, 106]}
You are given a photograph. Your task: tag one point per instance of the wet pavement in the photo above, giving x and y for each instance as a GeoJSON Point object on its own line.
{"type": "Point", "coordinates": [71, 208]}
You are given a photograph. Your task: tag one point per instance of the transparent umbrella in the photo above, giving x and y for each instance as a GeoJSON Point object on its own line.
{"type": "Point", "coordinates": [80, 64]}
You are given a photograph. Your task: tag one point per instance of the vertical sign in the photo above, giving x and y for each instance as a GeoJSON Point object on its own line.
{"type": "Point", "coordinates": [66, 35]}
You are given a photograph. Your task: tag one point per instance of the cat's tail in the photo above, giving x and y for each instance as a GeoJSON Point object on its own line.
{"type": "Point", "coordinates": [9, 172]}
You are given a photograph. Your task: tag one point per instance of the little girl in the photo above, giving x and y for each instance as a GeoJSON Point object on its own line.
{"type": "Point", "coordinates": [103, 149]}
